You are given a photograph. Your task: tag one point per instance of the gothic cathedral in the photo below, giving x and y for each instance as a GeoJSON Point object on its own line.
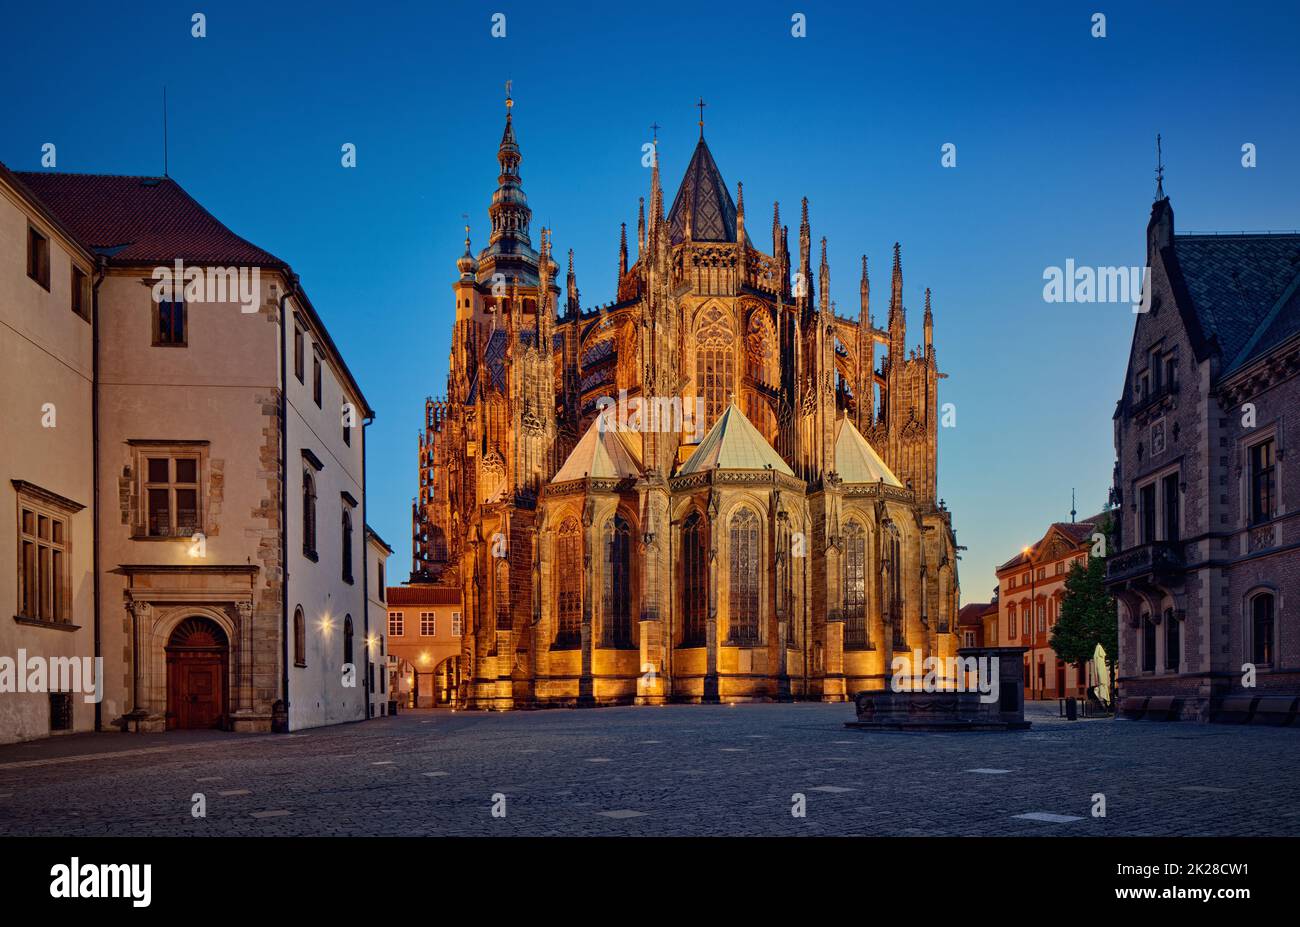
{"type": "Point", "coordinates": [762, 524]}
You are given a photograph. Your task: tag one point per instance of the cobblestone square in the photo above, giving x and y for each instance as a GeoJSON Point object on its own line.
{"type": "Point", "coordinates": [677, 770]}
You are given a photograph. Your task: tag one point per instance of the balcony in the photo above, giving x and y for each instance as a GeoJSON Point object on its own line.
{"type": "Point", "coordinates": [1159, 562]}
{"type": "Point", "coordinates": [1154, 397]}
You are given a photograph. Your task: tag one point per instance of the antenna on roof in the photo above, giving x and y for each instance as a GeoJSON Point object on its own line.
{"type": "Point", "coordinates": [164, 130]}
{"type": "Point", "coordinates": [1072, 511]}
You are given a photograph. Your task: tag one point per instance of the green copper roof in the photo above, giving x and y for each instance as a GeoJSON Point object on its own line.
{"type": "Point", "coordinates": [856, 461]}
{"type": "Point", "coordinates": [602, 453]}
{"type": "Point", "coordinates": [733, 443]}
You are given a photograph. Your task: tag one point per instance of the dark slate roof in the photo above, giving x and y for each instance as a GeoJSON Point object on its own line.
{"type": "Point", "coordinates": [141, 220]}
{"type": "Point", "coordinates": [1237, 284]}
{"type": "Point", "coordinates": [713, 214]}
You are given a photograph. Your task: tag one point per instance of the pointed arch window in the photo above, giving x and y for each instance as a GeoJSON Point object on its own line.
{"type": "Point", "coordinates": [694, 592]}
{"type": "Point", "coordinates": [347, 639]}
{"type": "Point", "coordinates": [743, 543]}
{"type": "Point", "coordinates": [895, 590]}
{"type": "Point", "coordinates": [309, 515]}
{"type": "Point", "coordinates": [347, 546]}
{"type": "Point", "coordinates": [618, 583]}
{"type": "Point", "coordinates": [855, 586]}
{"type": "Point", "coordinates": [504, 622]}
{"type": "Point", "coordinates": [299, 638]}
{"type": "Point", "coordinates": [568, 578]}
{"type": "Point", "coordinates": [715, 362]}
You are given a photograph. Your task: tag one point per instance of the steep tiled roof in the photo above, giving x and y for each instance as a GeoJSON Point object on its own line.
{"type": "Point", "coordinates": [423, 595]}
{"type": "Point", "coordinates": [141, 220]}
{"type": "Point", "coordinates": [601, 453]}
{"type": "Point", "coordinates": [1237, 284]}
{"type": "Point", "coordinates": [704, 193]}
{"type": "Point", "coordinates": [971, 615]}
{"type": "Point", "coordinates": [856, 461]}
{"type": "Point", "coordinates": [733, 443]}
{"type": "Point", "coordinates": [1080, 531]}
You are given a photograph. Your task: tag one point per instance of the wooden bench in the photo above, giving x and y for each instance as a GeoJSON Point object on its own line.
{"type": "Point", "coordinates": [1163, 708]}
{"type": "Point", "coordinates": [1133, 707]}
{"type": "Point", "coordinates": [1234, 709]}
{"type": "Point", "coordinates": [1274, 709]}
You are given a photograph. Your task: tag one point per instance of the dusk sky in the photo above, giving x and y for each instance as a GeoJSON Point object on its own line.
{"type": "Point", "coordinates": [1054, 131]}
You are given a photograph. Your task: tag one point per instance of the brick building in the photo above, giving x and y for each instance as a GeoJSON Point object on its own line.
{"type": "Point", "coordinates": [1207, 571]}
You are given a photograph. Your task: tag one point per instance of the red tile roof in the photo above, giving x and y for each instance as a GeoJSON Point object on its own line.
{"type": "Point", "coordinates": [423, 595]}
{"type": "Point", "coordinates": [971, 615]}
{"type": "Point", "coordinates": [141, 220]}
{"type": "Point", "coordinates": [1080, 531]}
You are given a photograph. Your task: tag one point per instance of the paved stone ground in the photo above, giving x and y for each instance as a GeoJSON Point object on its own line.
{"type": "Point", "coordinates": [676, 770]}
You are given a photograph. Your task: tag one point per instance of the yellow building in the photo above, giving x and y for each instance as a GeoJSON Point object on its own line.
{"type": "Point", "coordinates": [424, 643]}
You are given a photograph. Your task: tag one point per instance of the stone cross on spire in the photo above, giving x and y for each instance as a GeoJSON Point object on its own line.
{"type": "Point", "coordinates": [701, 106]}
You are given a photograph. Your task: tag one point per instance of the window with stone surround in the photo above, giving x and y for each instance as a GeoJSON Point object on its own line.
{"type": "Point", "coordinates": [396, 624]}
{"type": "Point", "coordinates": [170, 328]}
{"type": "Point", "coordinates": [694, 595]}
{"type": "Point", "coordinates": [299, 353]}
{"type": "Point", "coordinates": [1263, 481]}
{"type": "Point", "coordinates": [456, 628]}
{"type": "Point", "coordinates": [568, 579]}
{"type": "Point", "coordinates": [1262, 629]}
{"type": "Point", "coordinates": [347, 545]}
{"type": "Point", "coordinates": [855, 585]}
{"type": "Point", "coordinates": [1148, 644]}
{"type": "Point", "coordinates": [309, 514]}
{"type": "Point", "coordinates": [618, 583]}
{"type": "Point", "coordinates": [428, 624]}
{"type": "Point", "coordinates": [743, 582]}
{"type": "Point", "coordinates": [299, 638]}
{"type": "Point", "coordinates": [170, 489]}
{"type": "Point", "coordinates": [44, 555]}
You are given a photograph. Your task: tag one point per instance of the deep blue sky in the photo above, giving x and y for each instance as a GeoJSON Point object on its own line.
{"type": "Point", "coordinates": [1054, 131]}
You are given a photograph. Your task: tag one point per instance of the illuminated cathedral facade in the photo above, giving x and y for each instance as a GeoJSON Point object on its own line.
{"type": "Point", "coordinates": [778, 539]}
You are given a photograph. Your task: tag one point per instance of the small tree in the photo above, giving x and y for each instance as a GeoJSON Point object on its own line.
{"type": "Point", "coordinates": [1088, 616]}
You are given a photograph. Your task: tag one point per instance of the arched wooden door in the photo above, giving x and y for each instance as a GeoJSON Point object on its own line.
{"type": "Point", "coordinates": [198, 656]}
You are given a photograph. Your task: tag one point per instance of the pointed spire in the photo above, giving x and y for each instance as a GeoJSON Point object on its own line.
{"type": "Point", "coordinates": [571, 289]}
{"type": "Point", "coordinates": [824, 279]}
{"type": "Point", "coordinates": [805, 248]}
{"type": "Point", "coordinates": [897, 321]}
{"type": "Point", "coordinates": [544, 314]}
{"type": "Point", "coordinates": [640, 229]}
{"type": "Point", "coordinates": [740, 212]}
{"type": "Point", "coordinates": [509, 210]}
{"type": "Point", "coordinates": [929, 323]}
{"type": "Point", "coordinates": [622, 256]}
{"type": "Point", "coordinates": [864, 296]}
{"type": "Point", "coordinates": [776, 229]}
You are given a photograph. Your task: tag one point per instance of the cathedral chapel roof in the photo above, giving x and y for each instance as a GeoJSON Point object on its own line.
{"type": "Point", "coordinates": [856, 461]}
{"type": "Point", "coordinates": [733, 443]}
{"type": "Point", "coordinates": [601, 453]}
